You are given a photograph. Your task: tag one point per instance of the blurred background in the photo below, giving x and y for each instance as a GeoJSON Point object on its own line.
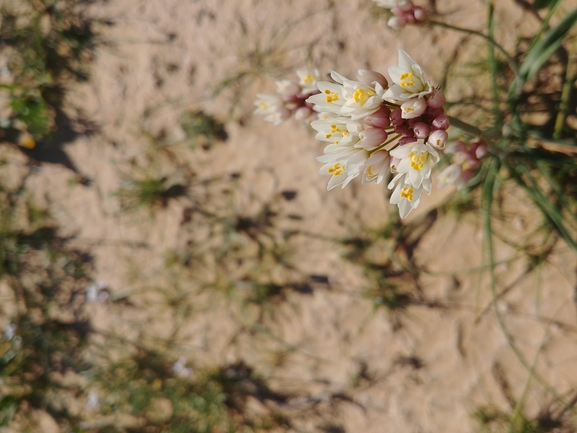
{"type": "Point", "coordinates": [172, 263]}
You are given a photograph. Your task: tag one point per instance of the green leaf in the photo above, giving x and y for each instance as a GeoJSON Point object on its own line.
{"type": "Point", "coordinates": [542, 4]}
{"type": "Point", "coordinates": [545, 47]}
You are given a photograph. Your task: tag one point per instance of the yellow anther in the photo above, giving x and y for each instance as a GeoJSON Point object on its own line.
{"type": "Point", "coordinates": [263, 105]}
{"type": "Point", "coordinates": [407, 192]}
{"type": "Point", "coordinates": [406, 80]}
{"type": "Point", "coordinates": [360, 96]}
{"type": "Point", "coordinates": [336, 169]}
{"type": "Point", "coordinates": [328, 135]}
{"type": "Point", "coordinates": [369, 171]}
{"type": "Point", "coordinates": [418, 161]}
{"type": "Point", "coordinates": [331, 96]}
{"type": "Point", "coordinates": [308, 78]}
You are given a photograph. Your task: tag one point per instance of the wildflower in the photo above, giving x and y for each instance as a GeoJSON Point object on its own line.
{"type": "Point", "coordinates": [438, 138]}
{"type": "Point", "coordinates": [308, 80]}
{"type": "Point", "coordinates": [179, 367]}
{"type": "Point", "coordinates": [287, 87]}
{"type": "Point", "coordinates": [417, 161]}
{"type": "Point", "coordinates": [376, 167]}
{"type": "Point", "coordinates": [409, 80]}
{"type": "Point", "coordinates": [92, 400]}
{"type": "Point", "coordinates": [342, 165]}
{"type": "Point", "coordinates": [413, 108]}
{"type": "Point", "coordinates": [449, 175]}
{"type": "Point", "coordinates": [337, 130]}
{"type": "Point", "coordinates": [95, 292]}
{"type": "Point", "coordinates": [272, 108]}
{"type": "Point", "coordinates": [9, 332]}
{"type": "Point", "coordinates": [406, 195]}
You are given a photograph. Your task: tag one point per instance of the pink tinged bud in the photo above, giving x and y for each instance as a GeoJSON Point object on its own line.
{"type": "Point", "coordinates": [407, 139]}
{"type": "Point", "coordinates": [421, 130]}
{"type": "Point", "coordinates": [457, 146]}
{"type": "Point", "coordinates": [396, 23]}
{"type": "Point", "coordinates": [436, 100]}
{"type": "Point", "coordinates": [380, 118]}
{"type": "Point", "coordinates": [403, 129]}
{"type": "Point", "coordinates": [465, 177]}
{"type": "Point", "coordinates": [397, 117]}
{"type": "Point", "coordinates": [413, 108]}
{"type": "Point", "coordinates": [371, 138]}
{"type": "Point", "coordinates": [409, 17]}
{"type": "Point", "coordinates": [461, 157]}
{"type": "Point", "coordinates": [394, 164]}
{"type": "Point", "coordinates": [481, 151]}
{"type": "Point", "coordinates": [370, 77]}
{"type": "Point", "coordinates": [471, 164]}
{"type": "Point", "coordinates": [419, 14]}
{"type": "Point", "coordinates": [441, 122]}
{"type": "Point", "coordinates": [438, 138]}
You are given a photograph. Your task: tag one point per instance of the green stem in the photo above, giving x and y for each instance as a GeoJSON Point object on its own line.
{"type": "Point", "coordinates": [510, 60]}
{"type": "Point", "coordinates": [471, 130]}
{"type": "Point", "coordinates": [384, 144]}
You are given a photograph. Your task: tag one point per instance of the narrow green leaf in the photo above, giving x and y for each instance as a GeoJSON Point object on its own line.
{"type": "Point", "coordinates": [545, 47]}
{"type": "Point", "coordinates": [542, 4]}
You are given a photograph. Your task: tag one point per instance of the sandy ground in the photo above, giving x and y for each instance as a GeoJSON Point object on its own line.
{"type": "Point", "coordinates": [425, 368]}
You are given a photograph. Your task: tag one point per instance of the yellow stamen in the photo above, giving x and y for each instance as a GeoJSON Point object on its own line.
{"type": "Point", "coordinates": [406, 80]}
{"type": "Point", "coordinates": [407, 192]}
{"type": "Point", "coordinates": [331, 96]}
{"type": "Point", "coordinates": [336, 169]}
{"type": "Point", "coordinates": [418, 161]}
{"type": "Point", "coordinates": [360, 96]}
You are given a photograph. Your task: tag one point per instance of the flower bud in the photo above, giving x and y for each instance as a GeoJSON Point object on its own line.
{"type": "Point", "coordinates": [419, 14]}
{"type": "Point", "coordinates": [449, 175]}
{"type": "Point", "coordinates": [371, 138]}
{"type": "Point", "coordinates": [407, 139]}
{"type": "Point", "coordinates": [465, 177]}
{"type": "Point", "coordinates": [455, 147]}
{"type": "Point", "coordinates": [421, 130]}
{"type": "Point", "coordinates": [441, 122]}
{"type": "Point", "coordinates": [436, 99]}
{"type": "Point", "coordinates": [397, 117]}
{"type": "Point", "coordinates": [380, 118]}
{"type": "Point", "coordinates": [302, 113]}
{"type": "Point", "coordinates": [413, 108]}
{"type": "Point", "coordinates": [481, 151]}
{"type": "Point", "coordinates": [396, 23]}
{"type": "Point", "coordinates": [438, 138]}
{"type": "Point", "coordinates": [370, 77]}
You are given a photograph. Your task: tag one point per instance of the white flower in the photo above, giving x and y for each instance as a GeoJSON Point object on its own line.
{"type": "Point", "coordinates": [360, 99]}
{"type": "Point", "coordinates": [337, 130]}
{"type": "Point", "coordinates": [449, 175]}
{"type": "Point", "coordinates": [179, 367]}
{"type": "Point", "coordinates": [308, 79]}
{"type": "Point", "coordinates": [413, 108]}
{"type": "Point", "coordinates": [92, 400]}
{"type": "Point", "coordinates": [287, 87]}
{"type": "Point", "coordinates": [406, 196]}
{"type": "Point", "coordinates": [95, 293]}
{"type": "Point", "coordinates": [417, 161]}
{"type": "Point", "coordinates": [330, 99]}
{"type": "Point", "coordinates": [376, 167]}
{"type": "Point", "coordinates": [9, 332]}
{"type": "Point", "coordinates": [342, 163]}
{"type": "Point", "coordinates": [272, 107]}
{"type": "Point", "coordinates": [409, 80]}
{"type": "Point", "coordinates": [347, 97]}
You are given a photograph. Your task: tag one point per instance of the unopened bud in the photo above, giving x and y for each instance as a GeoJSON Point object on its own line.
{"type": "Point", "coordinates": [370, 77]}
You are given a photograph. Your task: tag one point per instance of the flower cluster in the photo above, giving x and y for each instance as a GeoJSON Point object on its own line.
{"type": "Point", "coordinates": [464, 162]}
{"type": "Point", "coordinates": [373, 128]}
{"type": "Point", "coordinates": [291, 99]}
{"type": "Point", "coordinates": [404, 12]}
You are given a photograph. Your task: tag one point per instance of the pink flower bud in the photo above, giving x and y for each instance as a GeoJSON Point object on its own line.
{"type": "Point", "coordinates": [402, 129]}
{"type": "Point", "coordinates": [465, 177]}
{"type": "Point", "coordinates": [436, 100]}
{"type": "Point", "coordinates": [397, 117]}
{"type": "Point", "coordinates": [370, 77]}
{"type": "Point", "coordinates": [421, 130]}
{"type": "Point", "coordinates": [371, 138]}
{"type": "Point", "coordinates": [438, 139]}
{"type": "Point", "coordinates": [461, 157]}
{"type": "Point", "coordinates": [457, 146]}
{"type": "Point", "coordinates": [380, 118]}
{"type": "Point", "coordinates": [471, 164]}
{"type": "Point", "coordinates": [441, 122]}
{"type": "Point", "coordinates": [407, 139]}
